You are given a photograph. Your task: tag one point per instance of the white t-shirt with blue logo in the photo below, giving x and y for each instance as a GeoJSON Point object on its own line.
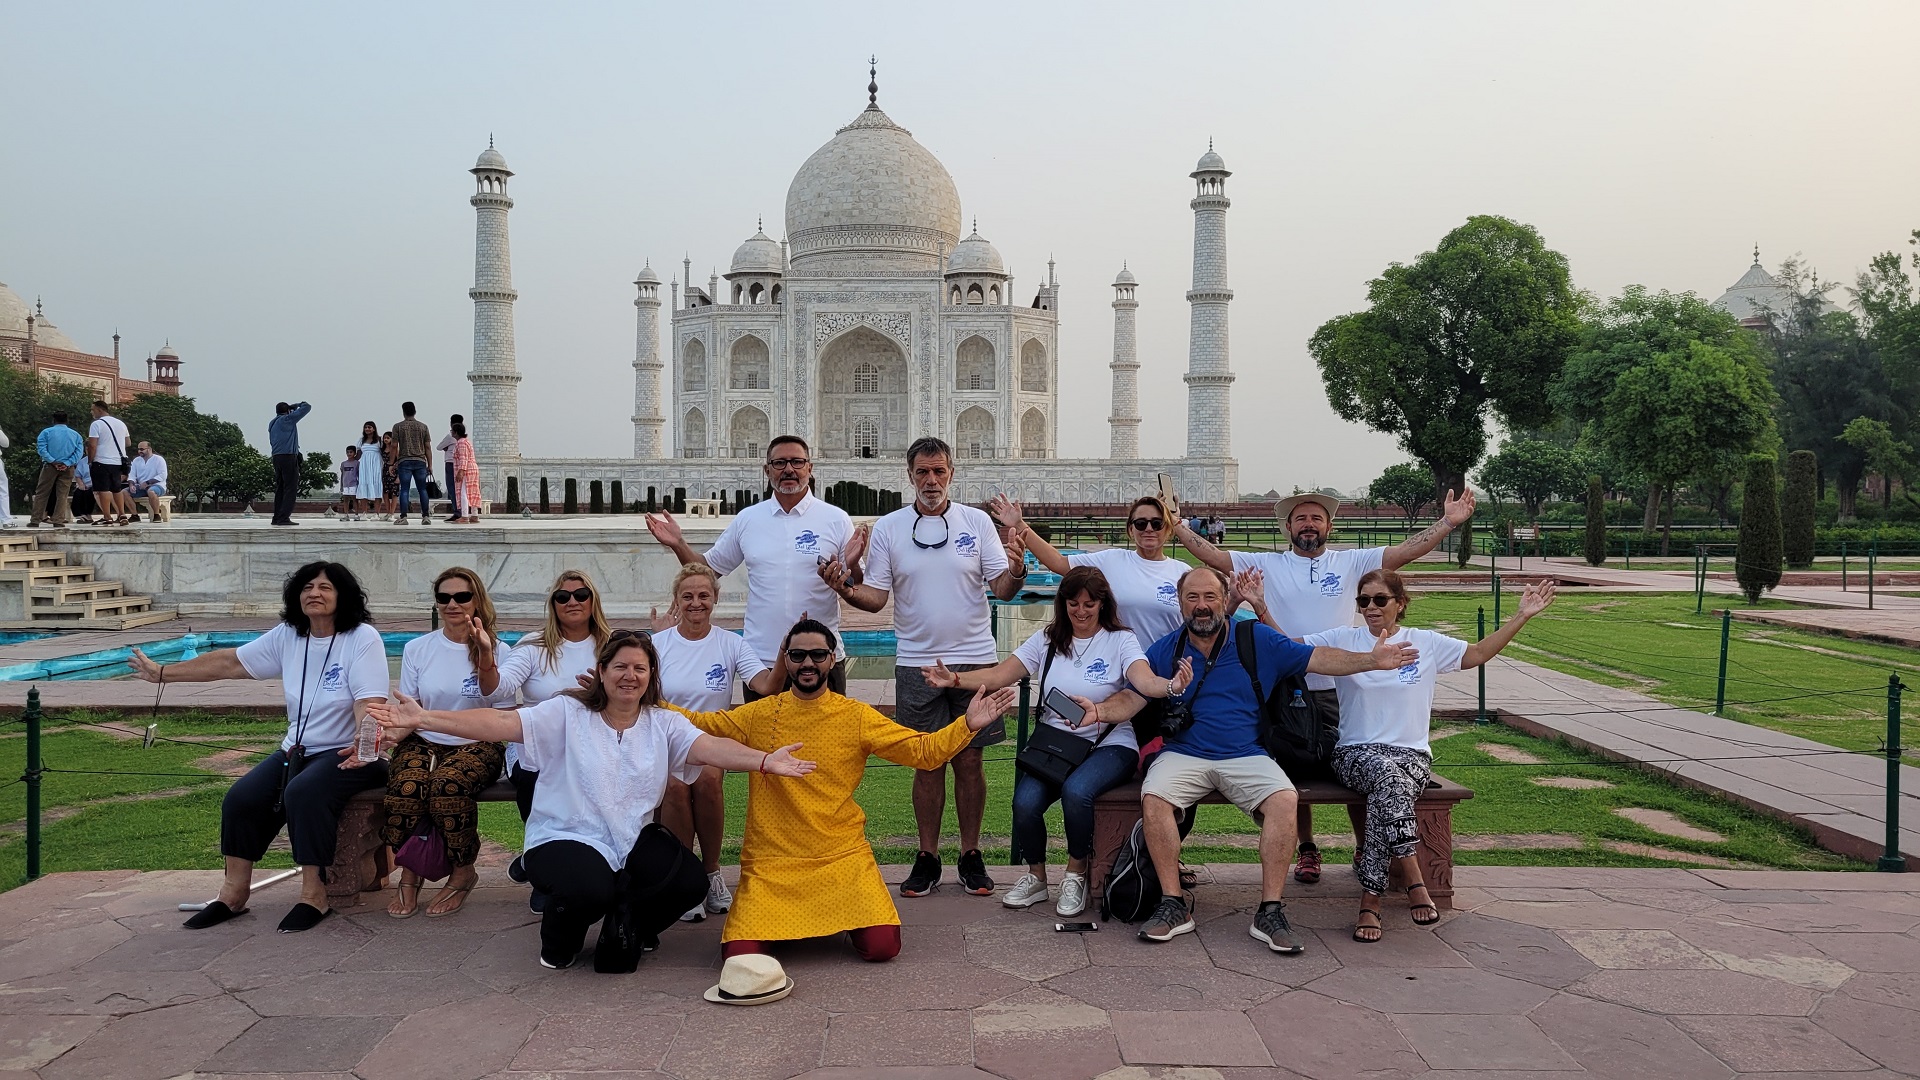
{"type": "Point", "coordinates": [1307, 596]}
{"type": "Point", "coordinates": [781, 550]}
{"type": "Point", "coordinates": [436, 671]}
{"type": "Point", "coordinates": [1095, 670]}
{"type": "Point", "coordinates": [1391, 707]}
{"type": "Point", "coordinates": [323, 677]}
{"type": "Point", "coordinates": [699, 675]}
{"type": "Point", "coordinates": [939, 591]}
{"type": "Point", "coordinates": [1147, 591]}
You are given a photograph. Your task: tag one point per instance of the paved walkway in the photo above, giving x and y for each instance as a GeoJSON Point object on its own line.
{"type": "Point", "coordinates": [1615, 973]}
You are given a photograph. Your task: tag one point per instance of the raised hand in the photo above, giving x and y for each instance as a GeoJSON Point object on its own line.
{"type": "Point", "coordinates": [989, 705]}
{"type": "Point", "coordinates": [782, 763]}
{"type": "Point", "coordinates": [1250, 585]}
{"type": "Point", "coordinates": [397, 717]}
{"type": "Point", "coordinates": [834, 573]}
{"type": "Point", "coordinates": [1388, 655]}
{"type": "Point", "coordinates": [1182, 677]}
{"type": "Point", "coordinates": [1006, 512]}
{"type": "Point", "coordinates": [1459, 509]}
{"type": "Point", "coordinates": [664, 528]}
{"type": "Point", "coordinates": [856, 547]}
{"type": "Point", "coordinates": [482, 640]}
{"type": "Point", "coordinates": [1536, 598]}
{"type": "Point", "coordinates": [144, 669]}
{"type": "Point", "coordinates": [587, 679]}
{"type": "Point", "coordinates": [940, 675]}
{"type": "Point", "coordinates": [661, 622]}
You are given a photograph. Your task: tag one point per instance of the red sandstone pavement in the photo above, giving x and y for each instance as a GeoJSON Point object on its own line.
{"type": "Point", "coordinates": [1542, 971]}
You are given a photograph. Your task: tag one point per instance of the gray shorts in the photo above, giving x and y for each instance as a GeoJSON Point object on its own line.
{"type": "Point", "coordinates": [929, 708]}
{"type": "Point", "coordinates": [1246, 782]}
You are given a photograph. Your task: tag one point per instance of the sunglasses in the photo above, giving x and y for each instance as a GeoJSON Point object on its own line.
{"type": "Point", "coordinates": [1362, 602]}
{"type": "Point", "coordinates": [1148, 524]}
{"type": "Point", "coordinates": [564, 595]}
{"type": "Point", "coordinates": [444, 598]}
{"type": "Point", "coordinates": [818, 656]}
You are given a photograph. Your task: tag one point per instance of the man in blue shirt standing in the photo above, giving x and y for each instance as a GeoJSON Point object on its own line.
{"type": "Point", "coordinates": [61, 451]}
{"type": "Point", "coordinates": [283, 436]}
{"type": "Point", "coordinates": [1219, 748]}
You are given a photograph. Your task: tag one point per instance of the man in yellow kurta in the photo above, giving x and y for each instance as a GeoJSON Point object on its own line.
{"type": "Point", "coordinates": [806, 868]}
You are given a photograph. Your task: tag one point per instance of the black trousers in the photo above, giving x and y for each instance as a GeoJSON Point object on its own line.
{"type": "Point", "coordinates": [310, 811]}
{"type": "Point", "coordinates": [523, 781]}
{"type": "Point", "coordinates": [286, 485]}
{"type": "Point", "coordinates": [582, 889]}
{"type": "Point", "coordinates": [453, 505]}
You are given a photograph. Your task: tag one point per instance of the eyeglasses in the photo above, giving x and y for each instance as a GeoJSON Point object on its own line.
{"type": "Point", "coordinates": [818, 656]}
{"type": "Point", "coordinates": [945, 535]}
{"type": "Point", "coordinates": [1362, 602]}
{"type": "Point", "coordinates": [564, 595]}
{"type": "Point", "coordinates": [787, 462]}
{"type": "Point", "coordinates": [445, 598]}
{"type": "Point", "coordinates": [1148, 524]}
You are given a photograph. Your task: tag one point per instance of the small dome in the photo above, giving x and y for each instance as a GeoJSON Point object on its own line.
{"type": "Point", "coordinates": [975, 255]}
{"type": "Point", "coordinates": [759, 255]}
{"type": "Point", "coordinates": [166, 353]}
{"type": "Point", "coordinates": [646, 276]}
{"type": "Point", "coordinates": [1125, 277]}
{"type": "Point", "coordinates": [491, 159]}
{"type": "Point", "coordinates": [1210, 162]}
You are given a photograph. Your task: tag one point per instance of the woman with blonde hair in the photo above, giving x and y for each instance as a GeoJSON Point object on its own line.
{"type": "Point", "coordinates": [1143, 577]}
{"type": "Point", "coordinates": [433, 776]}
{"type": "Point", "coordinates": [546, 663]}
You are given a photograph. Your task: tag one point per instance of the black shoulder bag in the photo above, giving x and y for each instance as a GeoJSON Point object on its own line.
{"type": "Point", "coordinates": [1290, 729]}
{"type": "Point", "coordinates": [1052, 754]}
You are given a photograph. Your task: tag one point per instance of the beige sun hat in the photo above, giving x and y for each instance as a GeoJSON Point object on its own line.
{"type": "Point", "coordinates": [1284, 508]}
{"type": "Point", "coordinates": [750, 979]}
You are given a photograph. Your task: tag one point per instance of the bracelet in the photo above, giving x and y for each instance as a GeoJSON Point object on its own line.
{"type": "Point", "coordinates": [763, 760]}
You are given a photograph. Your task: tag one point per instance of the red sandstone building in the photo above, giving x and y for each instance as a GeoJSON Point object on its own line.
{"type": "Point", "coordinates": [28, 337]}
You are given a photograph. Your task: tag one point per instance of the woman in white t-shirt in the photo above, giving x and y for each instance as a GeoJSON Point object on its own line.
{"type": "Point", "coordinates": [1145, 579]}
{"type": "Point", "coordinates": [333, 666]}
{"type": "Point", "coordinates": [432, 776]}
{"type": "Point", "coordinates": [1089, 655]}
{"type": "Point", "coordinates": [1385, 717]}
{"type": "Point", "coordinates": [698, 665]}
{"type": "Point", "coordinates": [604, 755]}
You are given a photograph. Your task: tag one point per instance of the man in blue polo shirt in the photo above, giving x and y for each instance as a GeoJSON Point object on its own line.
{"type": "Point", "coordinates": [61, 451]}
{"type": "Point", "coordinates": [1219, 748]}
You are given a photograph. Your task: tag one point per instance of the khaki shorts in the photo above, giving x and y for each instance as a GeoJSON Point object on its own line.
{"type": "Point", "coordinates": [1245, 781]}
{"type": "Point", "coordinates": [928, 708]}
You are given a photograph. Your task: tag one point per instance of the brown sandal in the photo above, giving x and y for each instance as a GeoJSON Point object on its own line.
{"type": "Point", "coordinates": [1413, 909]}
{"type": "Point", "coordinates": [412, 911]}
{"type": "Point", "coordinates": [1362, 929]}
{"type": "Point", "coordinates": [450, 890]}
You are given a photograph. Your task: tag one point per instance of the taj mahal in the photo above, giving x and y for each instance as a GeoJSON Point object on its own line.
{"type": "Point", "coordinates": [873, 323]}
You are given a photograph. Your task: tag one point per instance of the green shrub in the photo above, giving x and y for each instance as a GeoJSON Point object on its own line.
{"type": "Point", "coordinates": [570, 497]}
{"type": "Point", "coordinates": [1796, 509]}
{"type": "Point", "coordinates": [1757, 567]}
{"type": "Point", "coordinates": [1596, 538]}
{"type": "Point", "coordinates": [596, 498]}
{"type": "Point", "coordinates": [513, 495]}
{"type": "Point", "coordinates": [619, 498]}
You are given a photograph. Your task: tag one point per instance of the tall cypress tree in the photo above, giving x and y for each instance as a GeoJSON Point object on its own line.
{"type": "Point", "coordinates": [1596, 545]}
{"type": "Point", "coordinates": [1757, 566]}
{"type": "Point", "coordinates": [1796, 509]}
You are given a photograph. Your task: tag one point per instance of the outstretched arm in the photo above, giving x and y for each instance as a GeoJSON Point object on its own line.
{"type": "Point", "coordinates": [1385, 657]}
{"type": "Point", "coordinates": [207, 667]}
{"type": "Point", "coordinates": [1202, 548]}
{"type": "Point", "coordinates": [734, 757]}
{"type": "Point", "coordinates": [1456, 512]}
{"type": "Point", "coordinates": [666, 531]}
{"type": "Point", "coordinates": [1532, 602]}
{"type": "Point", "coordinates": [404, 715]}
{"type": "Point", "coordinates": [932, 749]}
{"type": "Point", "coordinates": [1005, 673]}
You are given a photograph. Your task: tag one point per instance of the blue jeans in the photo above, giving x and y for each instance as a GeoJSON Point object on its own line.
{"type": "Point", "coordinates": [416, 470]}
{"type": "Point", "coordinates": [1106, 767]}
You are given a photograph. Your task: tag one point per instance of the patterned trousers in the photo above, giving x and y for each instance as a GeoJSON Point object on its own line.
{"type": "Point", "coordinates": [1392, 778]}
{"type": "Point", "coordinates": [426, 778]}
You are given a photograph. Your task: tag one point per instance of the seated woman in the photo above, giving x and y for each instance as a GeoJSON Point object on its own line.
{"type": "Point", "coordinates": [1385, 717]}
{"type": "Point", "coordinates": [1084, 653]}
{"type": "Point", "coordinates": [334, 667]}
{"type": "Point", "coordinates": [806, 868]}
{"type": "Point", "coordinates": [591, 844]}
{"type": "Point", "coordinates": [698, 666]}
{"type": "Point", "coordinates": [433, 776]}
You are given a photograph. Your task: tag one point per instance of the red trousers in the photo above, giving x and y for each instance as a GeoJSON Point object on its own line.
{"type": "Point", "coordinates": [874, 944]}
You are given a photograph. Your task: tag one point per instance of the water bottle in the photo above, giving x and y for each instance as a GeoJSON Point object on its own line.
{"type": "Point", "coordinates": [366, 740]}
{"type": "Point", "coordinates": [1299, 700]}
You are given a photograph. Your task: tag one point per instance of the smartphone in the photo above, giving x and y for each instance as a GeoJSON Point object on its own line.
{"type": "Point", "coordinates": [1075, 927]}
{"type": "Point", "coordinates": [1065, 707]}
{"type": "Point", "coordinates": [1167, 498]}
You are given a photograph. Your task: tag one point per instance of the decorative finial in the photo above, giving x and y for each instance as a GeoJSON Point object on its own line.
{"type": "Point", "coordinates": [759, 223]}
{"type": "Point", "coordinates": [873, 82]}
{"type": "Point", "coordinates": [490, 140]}
{"type": "Point", "coordinates": [976, 223]}
{"type": "Point", "coordinates": [38, 309]}
{"type": "Point", "coordinates": [1209, 144]}
{"type": "Point", "coordinates": [1756, 253]}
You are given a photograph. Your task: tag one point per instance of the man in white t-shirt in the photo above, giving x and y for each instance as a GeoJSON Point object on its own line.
{"type": "Point", "coordinates": [782, 542]}
{"type": "Point", "coordinates": [1310, 588]}
{"type": "Point", "coordinates": [936, 559]}
{"type": "Point", "coordinates": [107, 441]}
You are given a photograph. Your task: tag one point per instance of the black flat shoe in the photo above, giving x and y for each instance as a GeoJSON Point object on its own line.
{"type": "Point", "coordinates": [303, 917]}
{"type": "Point", "coordinates": [212, 915]}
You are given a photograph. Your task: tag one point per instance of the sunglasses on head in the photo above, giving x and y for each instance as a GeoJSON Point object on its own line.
{"type": "Point", "coordinates": [1148, 524]}
{"type": "Point", "coordinates": [564, 595]}
{"type": "Point", "coordinates": [818, 656]}
{"type": "Point", "coordinates": [444, 598]}
{"type": "Point", "coordinates": [1379, 601]}
{"type": "Point", "coordinates": [622, 635]}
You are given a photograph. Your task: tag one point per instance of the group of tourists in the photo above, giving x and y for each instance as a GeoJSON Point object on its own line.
{"type": "Point", "coordinates": [612, 821]}
{"type": "Point", "coordinates": [381, 471]}
{"type": "Point", "coordinates": [99, 479]}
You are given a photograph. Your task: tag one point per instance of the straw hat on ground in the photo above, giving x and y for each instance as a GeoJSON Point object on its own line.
{"type": "Point", "coordinates": [750, 979]}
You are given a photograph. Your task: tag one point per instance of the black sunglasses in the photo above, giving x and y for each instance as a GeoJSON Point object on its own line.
{"type": "Point", "coordinates": [444, 598]}
{"type": "Point", "coordinates": [622, 635]}
{"type": "Point", "coordinates": [946, 532]}
{"type": "Point", "coordinates": [818, 656]}
{"type": "Point", "coordinates": [564, 595]}
{"type": "Point", "coordinates": [1377, 601]}
{"type": "Point", "coordinates": [1148, 524]}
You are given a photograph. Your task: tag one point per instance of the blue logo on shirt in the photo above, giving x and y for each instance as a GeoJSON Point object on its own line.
{"type": "Point", "coordinates": [334, 679]}
{"type": "Point", "coordinates": [1097, 671]}
{"type": "Point", "coordinates": [1330, 585]}
{"type": "Point", "coordinates": [1168, 594]}
{"type": "Point", "coordinates": [717, 677]}
{"type": "Point", "coordinates": [470, 686]}
{"type": "Point", "coordinates": [966, 544]}
{"type": "Point", "coordinates": [1409, 673]}
{"type": "Point", "coordinates": [807, 543]}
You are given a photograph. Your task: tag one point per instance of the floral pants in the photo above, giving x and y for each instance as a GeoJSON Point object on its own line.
{"type": "Point", "coordinates": [1392, 778]}
{"type": "Point", "coordinates": [426, 778]}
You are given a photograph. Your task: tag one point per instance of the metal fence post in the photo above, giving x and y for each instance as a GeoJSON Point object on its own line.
{"type": "Point", "coordinates": [1699, 579]}
{"type": "Point", "coordinates": [1843, 566]}
{"type": "Point", "coordinates": [32, 779]}
{"type": "Point", "coordinates": [1720, 694]}
{"type": "Point", "coordinates": [1873, 557]}
{"type": "Point", "coordinates": [1496, 600]}
{"type": "Point", "coordinates": [1020, 743]}
{"type": "Point", "coordinates": [1481, 716]}
{"type": "Point", "coordinates": [1891, 860]}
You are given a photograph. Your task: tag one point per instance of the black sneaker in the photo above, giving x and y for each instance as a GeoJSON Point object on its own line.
{"type": "Point", "coordinates": [1168, 921]}
{"type": "Point", "coordinates": [537, 902]}
{"type": "Point", "coordinates": [517, 870]}
{"type": "Point", "coordinates": [925, 876]}
{"type": "Point", "coordinates": [1271, 926]}
{"type": "Point", "coordinates": [973, 873]}
{"type": "Point", "coordinates": [557, 963]}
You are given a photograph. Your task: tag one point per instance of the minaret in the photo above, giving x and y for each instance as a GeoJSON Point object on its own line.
{"type": "Point", "coordinates": [1209, 380]}
{"type": "Point", "coordinates": [1125, 420]}
{"type": "Point", "coordinates": [495, 375]}
{"type": "Point", "coordinates": [648, 424]}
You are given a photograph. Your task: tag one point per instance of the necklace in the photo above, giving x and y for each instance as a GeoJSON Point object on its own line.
{"type": "Point", "coordinates": [1079, 648]}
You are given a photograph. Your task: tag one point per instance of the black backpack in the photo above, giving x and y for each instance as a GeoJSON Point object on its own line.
{"type": "Point", "coordinates": [1133, 889]}
{"type": "Point", "coordinates": [1291, 729]}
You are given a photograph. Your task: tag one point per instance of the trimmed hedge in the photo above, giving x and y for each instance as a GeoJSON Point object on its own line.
{"type": "Point", "coordinates": [1796, 509]}
{"type": "Point", "coordinates": [1757, 567]}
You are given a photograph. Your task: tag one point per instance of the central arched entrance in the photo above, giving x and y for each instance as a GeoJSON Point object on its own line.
{"type": "Point", "coordinates": [863, 395]}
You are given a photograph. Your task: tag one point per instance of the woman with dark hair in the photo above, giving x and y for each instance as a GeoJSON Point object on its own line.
{"type": "Point", "coordinates": [372, 477]}
{"type": "Point", "coordinates": [592, 845]}
{"type": "Point", "coordinates": [1085, 653]}
{"type": "Point", "coordinates": [433, 776]}
{"type": "Point", "coordinates": [466, 478]}
{"type": "Point", "coordinates": [1144, 578]}
{"type": "Point", "coordinates": [389, 475]}
{"type": "Point", "coordinates": [1385, 716]}
{"type": "Point", "coordinates": [334, 668]}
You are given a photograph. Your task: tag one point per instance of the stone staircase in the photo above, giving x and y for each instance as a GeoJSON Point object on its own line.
{"type": "Point", "coordinates": [42, 590]}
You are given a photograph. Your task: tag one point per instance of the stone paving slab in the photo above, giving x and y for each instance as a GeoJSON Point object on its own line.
{"type": "Point", "coordinates": [1539, 972]}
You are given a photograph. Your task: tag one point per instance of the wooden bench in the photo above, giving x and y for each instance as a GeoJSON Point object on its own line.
{"type": "Point", "coordinates": [1115, 812]}
{"type": "Point", "coordinates": [361, 862]}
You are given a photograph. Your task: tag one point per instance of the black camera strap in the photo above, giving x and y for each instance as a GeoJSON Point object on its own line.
{"type": "Point", "coordinates": [302, 712]}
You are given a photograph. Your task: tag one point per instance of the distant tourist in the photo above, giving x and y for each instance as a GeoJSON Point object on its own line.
{"type": "Point", "coordinates": [937, 560]}
{"type": "Point", "coordinates": [465, 491]}
{"type": "Point", "coordinates": [83, 505]}
{"type": "Point", "coordinates": [283, 436]}
{"type": "Point", "coordinates": [147, 478]}
{"type": "Point", "coordinates": [107, 450]}
{"type": "Point", "coordinates": [414, 445]}
{"type": "Point", "coordinates": [389, 476]}
{"type": "Point", "coordinates": [1144, 578]}
{"type": "Point", "coordinates": [349, 484]}
{"type": "Point", "coordinates": [61, 452]}
{"type": "Point", "coordinates": [369, 481]}
{"type": "Point", "coordinates": [1385, 721]}
{"type": "Point", "coordinates": [6, 494]}
{"type": "Point", "coordinates": [445, 446]}
{"type": "Point", "coordinates": [333, 666]}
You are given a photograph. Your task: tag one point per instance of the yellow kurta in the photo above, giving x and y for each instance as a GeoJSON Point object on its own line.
{"type": "Point", "coordinates": [806, 867]}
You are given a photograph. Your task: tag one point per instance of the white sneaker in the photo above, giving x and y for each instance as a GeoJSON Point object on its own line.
{"type": "Point", "coordinates": [426, 519]}
{"type": "Point", "coordinates": [697, 913]}
{"type": "Point", "coordinates": [1073, 895]}
{"type": "Point", "coordinates": [719, 899]}
{"type": "Point", "coordinates": [400, 519]}
{"type": "Point", "coordinates": [1026, 892]}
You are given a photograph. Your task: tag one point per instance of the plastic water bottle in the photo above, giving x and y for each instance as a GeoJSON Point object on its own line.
{"type": "Point", "coordinates": [1299, 700]}
{"type": "Point", "coordinates": [366, 740]}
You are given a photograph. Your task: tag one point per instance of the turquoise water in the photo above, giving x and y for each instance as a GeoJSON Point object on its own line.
{"type": "Point", "coordinates": [15, 637]}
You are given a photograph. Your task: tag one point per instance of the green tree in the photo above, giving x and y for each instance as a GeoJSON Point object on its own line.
{"type": "Point", "coordinates": [1407, 485]}
{"type": "Point", "coordinates": [28, 401]}
{"type": "Point", "coordinates": [1883, 452]}
{"type": "Point", "coordinates": [1533, 471]}
{"type": "Point", "coordinates": [1757, 563]}
{"type": "Point", "coordinates": [1596, 538]}
{"type": "Point", "coordinates": [1796, 509]}
{"type": "Point", "coordinates": [1471, 329]}
{"type": "Point", "coordinates": [1890, 309]}
{"type": "Point", "coordinates": [237, 473]}
{"type": "Point", "coordinates": [1828, 370]}
{"type": "Point", "coordinates": [317, 472]}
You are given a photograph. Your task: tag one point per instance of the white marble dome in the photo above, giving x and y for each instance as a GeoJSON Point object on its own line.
{"type": "Point", "coordinates": [166, 352]}
{"type": "Point", "coordinates": [1125, 277]}
{"type": "Point", "coordinates": [13, 323]}
{"type": "Point", "coordinates": [491, 159]}
{"type": "Point", "coordinates": [1210, 162]}
{"type": "Point", "coordinates": [872, 196]}
{"type": "Point", "coordinates": [759, 255]}
{"type": "Point", "coordinates": [975, 255]}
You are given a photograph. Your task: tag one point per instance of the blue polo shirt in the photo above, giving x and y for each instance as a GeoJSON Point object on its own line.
{"type": "Point", "coordinates": [1226, 715]}
{"type": "Point", "coordinates": [59, 444]}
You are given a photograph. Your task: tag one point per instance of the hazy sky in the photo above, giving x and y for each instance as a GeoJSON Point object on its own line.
{"type": "Point", "coordinates": [282, 191]}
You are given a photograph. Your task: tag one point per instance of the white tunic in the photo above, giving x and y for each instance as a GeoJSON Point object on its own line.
{"type": "Point", "coordinates": [597, 785]}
